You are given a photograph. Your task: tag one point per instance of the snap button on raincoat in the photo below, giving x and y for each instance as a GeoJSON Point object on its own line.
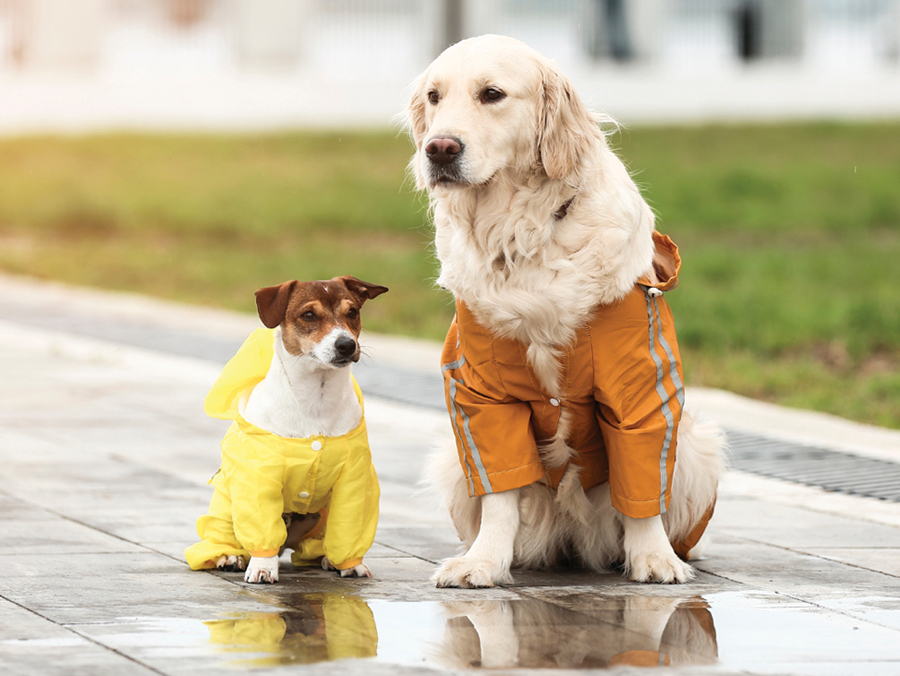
{"type": "Point", "coordinates": [263, 476]}
{"type": "Point", "coordinates": [622, 384]}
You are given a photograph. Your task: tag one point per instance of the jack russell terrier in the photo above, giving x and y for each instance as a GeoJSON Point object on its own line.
{"type": "Point", "coordinates": [296, 468]}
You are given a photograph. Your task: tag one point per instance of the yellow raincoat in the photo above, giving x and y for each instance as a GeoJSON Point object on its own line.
{"type": "Point", "coordinates": [263, 476]}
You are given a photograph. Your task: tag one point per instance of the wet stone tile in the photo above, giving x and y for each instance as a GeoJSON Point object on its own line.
{"type": "Point", "coordinates": [56, 537]}
{"type": "Point", "coordinates": [32, 645]}
{"type": "Point", "coordinates": [68, 657]}
{"type": "Point", "coordinates": [763, 631]}
{"type": "Point", "coordinates": [876, 608]}
{"type": "Point", "coordinates": [796, 528]}
{"type": "Point", "coordinates": [882, 559]}
{"type": "Point", "coordinates": [32, 530]}
{"type": "Point", "coordinates": [802, 575]}
{"type": "Point", "coordinates": [85, 588]}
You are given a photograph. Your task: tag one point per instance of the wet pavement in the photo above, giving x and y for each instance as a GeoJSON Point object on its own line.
{"type": "Point", "coordinates": [104, 457]}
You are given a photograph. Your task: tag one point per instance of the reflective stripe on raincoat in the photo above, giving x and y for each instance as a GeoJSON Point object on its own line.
{"type": "Point", "coordinates": [622, 381]}
{"type": "Point", "coordinates": [263, 476]}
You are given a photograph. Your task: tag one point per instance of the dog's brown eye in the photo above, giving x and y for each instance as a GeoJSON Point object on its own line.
{"type": "Point", "coordinates": [308, 316]}
{"type": "Point", "coordinates": [433, 97]}
{"type": "Point", "coordinates": [491, 95]}
{"type": "Point", "coordinates": [352, 313]}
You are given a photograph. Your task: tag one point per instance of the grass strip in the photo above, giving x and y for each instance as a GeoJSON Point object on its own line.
{"type": "Point", "coordinates": [789, 233]}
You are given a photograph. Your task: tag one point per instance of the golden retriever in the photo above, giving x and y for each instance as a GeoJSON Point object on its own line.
{"type": "Point", "coordinates": [539, 230]}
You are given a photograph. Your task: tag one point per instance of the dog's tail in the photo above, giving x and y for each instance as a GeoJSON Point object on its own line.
{"type": "Point", "coordinates": [571, 498]}
{"type": "Point", "coordinates": [444, 477]}
{"type": "Point", "coordinates": [700, 464]}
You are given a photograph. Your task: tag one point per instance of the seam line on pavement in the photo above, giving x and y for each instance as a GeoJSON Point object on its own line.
{"type": "Point", "coordinates": [89, 639]}
{"type": "Point", "coordinates": [92, 527]}
{"type": "Point", "coordinates": [403, 551]}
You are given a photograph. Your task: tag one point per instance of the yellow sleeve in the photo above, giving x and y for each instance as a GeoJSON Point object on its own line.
{"type": "Point", "coordinates": [353, 512]}
{"type": "Point", "coordinates": [254, 477]}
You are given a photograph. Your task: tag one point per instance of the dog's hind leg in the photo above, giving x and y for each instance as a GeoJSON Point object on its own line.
{"type": "Point", "coordinates": [649, 556]}
{"type": "Point", "coordinates": [598, 543]}
{"type": "Point", "coordinates": [702, 450]}
{"type": "Point", "coordinates": [488, 560]}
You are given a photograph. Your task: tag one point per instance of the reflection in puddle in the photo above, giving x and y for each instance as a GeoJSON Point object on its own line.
{"type": "Point", "coordinates": [630, 630]}
{"type": "Point", "coordinates": [593, 632]}
{"type": "Point", "coordinates": [318, 628]}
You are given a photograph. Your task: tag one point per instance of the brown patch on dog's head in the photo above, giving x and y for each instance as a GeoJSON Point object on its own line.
{"type": "Point", "coordinates": [318, 318]}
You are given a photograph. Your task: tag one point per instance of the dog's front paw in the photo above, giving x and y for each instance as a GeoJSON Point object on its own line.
{"type": "Point", "coordinates": [231, 563]}
{"type": "Point", "coordinates": [362, 570]}
{"type": "Point", "coordinates": [262, 569]}
{"type": "Point", "coordinates": [470, 573]}
{"type": "Point", "coordinates": [658, 566]}
{"type": "Point", "coordinates": [649, 556]}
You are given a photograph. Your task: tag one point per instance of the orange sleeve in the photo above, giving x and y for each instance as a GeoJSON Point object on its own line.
{"type": "Point", "coordinates": [493, 432]}
{"type": "Point", "coordinates": [639, 391]}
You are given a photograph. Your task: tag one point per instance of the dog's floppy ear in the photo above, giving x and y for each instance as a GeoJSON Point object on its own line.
{"type": "Point", "coordinates": [362, 290]}
{"type": "Point", "coordinates": [272, 302]}
{"type": "Point", "coordinates": [566, 128]}
{"type": "Point", "coordinates": [415, 110]}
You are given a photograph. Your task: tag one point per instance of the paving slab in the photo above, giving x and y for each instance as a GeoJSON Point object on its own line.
{"type": "Point", "coordinates": [105, 455]}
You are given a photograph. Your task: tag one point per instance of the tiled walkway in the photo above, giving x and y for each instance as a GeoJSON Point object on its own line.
{"type": "Point", "coordinates": [104, 456]}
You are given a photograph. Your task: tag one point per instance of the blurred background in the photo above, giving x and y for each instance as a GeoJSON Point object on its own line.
{"type": "Point", "coordinates": [81, 64]}
{"type": "Point", "coordinates": [200, 149]}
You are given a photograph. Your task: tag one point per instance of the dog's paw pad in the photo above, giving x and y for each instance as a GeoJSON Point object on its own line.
{"type": "Point", "coordinates": [660, 567]}
{"type": "Point", "coordinates": [470, 574]}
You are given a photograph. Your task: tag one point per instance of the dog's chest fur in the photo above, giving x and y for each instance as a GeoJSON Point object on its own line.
{"type": "Point", "coordinates": [297, 401]}
{"type": "Point", "coordinates": [530, 277]}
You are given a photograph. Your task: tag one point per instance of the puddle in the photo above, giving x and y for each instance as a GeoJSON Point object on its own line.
{"type": "Point", "coordinates": [318, 628]}
{"type": "Point", "coordinates": [523, 633]}
{"type": "Point", "coordinates": [63, 642]}
{"type": "Point", "coordinates": [579, 628]}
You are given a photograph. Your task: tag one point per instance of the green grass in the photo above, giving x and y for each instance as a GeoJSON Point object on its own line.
{"type": "Point", "coordinates": [790, 236]}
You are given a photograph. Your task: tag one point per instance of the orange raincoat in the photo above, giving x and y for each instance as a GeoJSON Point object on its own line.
{"type": "Point", "coordinates": [623, 383]}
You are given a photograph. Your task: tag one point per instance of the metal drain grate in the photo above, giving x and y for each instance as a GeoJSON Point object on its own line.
{"type": "Point", "coordinates": [831, 470]}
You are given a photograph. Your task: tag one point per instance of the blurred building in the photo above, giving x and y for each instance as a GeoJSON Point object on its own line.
{"type": "Point", "coordinates": [80, 64]}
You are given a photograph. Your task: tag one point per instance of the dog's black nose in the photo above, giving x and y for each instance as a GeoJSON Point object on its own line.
{"type": "Point", "coordinates": [345, 347]}
{"type": "Point", "coordinates": [443, 150]}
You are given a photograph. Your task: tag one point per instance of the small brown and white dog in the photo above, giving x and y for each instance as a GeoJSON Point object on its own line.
{"type": "Point", "coordinates": [298, 450]}
{"type": "Point", "coordinates": [537, 226]}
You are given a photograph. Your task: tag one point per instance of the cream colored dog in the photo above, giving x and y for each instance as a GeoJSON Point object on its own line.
{"type": "Point", "coordinates": [537, 224]}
